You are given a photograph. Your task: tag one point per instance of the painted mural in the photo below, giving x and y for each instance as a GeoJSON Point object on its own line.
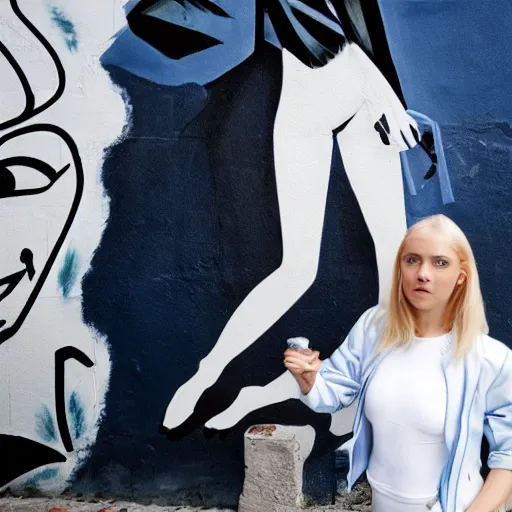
{"type": "Point", "coordinates": [52, 381]}
{"type": "Point", "coordinates": [185, 184]}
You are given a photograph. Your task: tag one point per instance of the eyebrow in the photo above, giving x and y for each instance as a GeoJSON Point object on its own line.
{"type": "Point", "coordinates": [434, 257]}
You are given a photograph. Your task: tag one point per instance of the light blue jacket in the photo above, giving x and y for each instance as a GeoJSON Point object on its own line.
{"type": "Point", "coordinates": [479, 401]}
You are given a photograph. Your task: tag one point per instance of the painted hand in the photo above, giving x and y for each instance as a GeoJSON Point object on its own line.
{"type": "Point", "coordinates": [407, 130]}
{"type": "Point", "coordinates": [392, 122]}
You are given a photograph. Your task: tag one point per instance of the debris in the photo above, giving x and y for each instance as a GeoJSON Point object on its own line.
{"type": "Point", "coordinates": [263, 430]}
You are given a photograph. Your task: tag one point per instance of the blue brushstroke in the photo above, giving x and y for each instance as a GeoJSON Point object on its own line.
{"type": "Point", "coordinates": [67, 28]}
{"type": "Point", "coordinates": [236, 32]}
{"type": "Point", "coordinates": [406, 170]}
{"type": "Point", "coordinates": [45, 425]}
{"type": "Point", "coordinates": [444, 177]}
{"type": "Point", "coordinates": [46, 474]}
{"type": "Point", "coordinates": [76, 410]}
{"type": "Point", "coordinates": [68, 272]}
{"type": "Point", "coordinates": [270, 32]}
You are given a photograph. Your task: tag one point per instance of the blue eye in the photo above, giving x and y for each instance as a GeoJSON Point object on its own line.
{"type": "Point", "coordinates": [23, 176]}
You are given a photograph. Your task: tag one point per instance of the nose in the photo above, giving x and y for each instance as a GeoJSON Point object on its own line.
{"type": "Point", "coordinates": [424, 273]}
{"type": "Point", "coordinates": [27, 258]}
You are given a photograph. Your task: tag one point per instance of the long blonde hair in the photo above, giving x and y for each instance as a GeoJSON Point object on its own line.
{"type": "Point", "coordinates": [464, 314]}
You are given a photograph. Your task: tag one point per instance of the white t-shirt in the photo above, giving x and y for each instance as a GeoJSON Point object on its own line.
{"type": "Point", "coordinates": [406, 405]}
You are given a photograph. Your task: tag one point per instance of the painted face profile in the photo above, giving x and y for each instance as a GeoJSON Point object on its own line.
{"type": "Point", "coordinates": [41, 184]}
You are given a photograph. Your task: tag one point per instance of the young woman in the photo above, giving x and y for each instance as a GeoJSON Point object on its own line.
{"type": "Point", "coordinates": [430, 383]}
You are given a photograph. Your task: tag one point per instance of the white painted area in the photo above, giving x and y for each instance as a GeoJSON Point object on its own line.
{"type": "Point", "coordinates": [313, 103]}
{"type": "Point", "coordinates": [93, 114]}
{"type": "Point", "coordinates": [31, 56]}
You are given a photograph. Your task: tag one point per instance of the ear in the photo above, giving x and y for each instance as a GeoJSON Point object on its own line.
{"type": "Point", "coordinates": [462, 277]}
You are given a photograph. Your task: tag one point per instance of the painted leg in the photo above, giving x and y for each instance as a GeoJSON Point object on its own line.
{"type": "Point", "coordinates": [302, 152]}
{"type": "Point", "coordinates": [302, 189]}
{"type": "Point", "coordinates": [252, 398]}
{"type": "Point", "coordinates": [375, 175]}
{"type": "Point", "coordinates": [283, 388]}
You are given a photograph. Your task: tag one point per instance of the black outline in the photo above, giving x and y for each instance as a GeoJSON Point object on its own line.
{"type": "Point", "coordinates": [30, 109]}
{"type": "Point", "coordinates": [13, 329]}
{"type": "Point", "coordinates": [34, 163]}
{"type": "Point", "coordinates": [23, 455]}
{"type": "Point", "coordinates": [12, 280]}
{"type": "Point", "coordinates": [61, 356]}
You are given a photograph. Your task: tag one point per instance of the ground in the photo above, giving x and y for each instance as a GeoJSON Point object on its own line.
{"type": "Point", "coordinates": [358, 500]}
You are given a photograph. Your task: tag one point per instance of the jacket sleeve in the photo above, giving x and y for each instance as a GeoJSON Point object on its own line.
{"type": "Point", "coordinates": [498, 417]}
{"type": "Point", "coordinates": [338, 382]}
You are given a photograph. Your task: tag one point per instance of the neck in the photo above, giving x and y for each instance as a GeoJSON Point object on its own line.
{"type": "Point", "coordinates": [429, 324]}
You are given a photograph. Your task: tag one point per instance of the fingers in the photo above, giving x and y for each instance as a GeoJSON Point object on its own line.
{"type": "Point", "coordinates": [401, 132]}
{"type": "Point", "coordinates": [306, 355]}
{"type": "Point", "coordinates": [389, 131]}
{"type": "Point", "coordinates": [298, 360]}
{"type": "Point", "coordinates": [410, 131]}
{"type": "Point", "coordinates": [302, 361]}
{"type": "Point", "coordinates": [382, 128]}
{"type": "Point", "coordinates": [298, 366]}
{"type": "Point", "coordinates": [295, 368]}
{"type": "Point", "coordinates": [395, 126]}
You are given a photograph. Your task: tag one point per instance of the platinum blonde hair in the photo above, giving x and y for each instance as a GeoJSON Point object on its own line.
{"type": "Point", "coordinates": [464, 314]}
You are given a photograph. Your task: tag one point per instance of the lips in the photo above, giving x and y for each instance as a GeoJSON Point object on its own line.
{"type": "Point", "coordinates": [9, 283]}
{"type": "Point", "coordinates": [422, 290]}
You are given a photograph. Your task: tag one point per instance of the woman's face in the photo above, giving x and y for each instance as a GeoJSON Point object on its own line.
{"type": "Point", "coordinates": [431, 270]}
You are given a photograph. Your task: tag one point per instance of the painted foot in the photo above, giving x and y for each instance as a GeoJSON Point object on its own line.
{"type": "Point", "coordinates": [240, 408]}
{"type": "Point", "coordinates": [252, 398]}
{"type": "Point", "coordinates": [183, 403]}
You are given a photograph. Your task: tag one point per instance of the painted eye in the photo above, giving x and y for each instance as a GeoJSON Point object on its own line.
{"type": "Point", "coordinates": [23, 176]}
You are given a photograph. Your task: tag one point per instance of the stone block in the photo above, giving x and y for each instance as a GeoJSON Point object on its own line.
{"type": "Point", "coordinates": [274, 461]}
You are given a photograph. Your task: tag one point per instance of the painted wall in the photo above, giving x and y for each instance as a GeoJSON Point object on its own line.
{"type": "Point", "coordinates": [186, 184]}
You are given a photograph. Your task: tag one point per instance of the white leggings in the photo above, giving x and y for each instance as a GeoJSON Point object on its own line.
{"type": "Point", "coordinates": [384, 503]}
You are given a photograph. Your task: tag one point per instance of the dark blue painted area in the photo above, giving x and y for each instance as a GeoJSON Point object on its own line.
{"type": "Point", "coordinates": [453, 59]}
{"type": "Point", "coordinates": [194, 227]}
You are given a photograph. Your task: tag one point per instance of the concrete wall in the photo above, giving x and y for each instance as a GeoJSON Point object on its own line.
{"type": "Point", "coordinates": [182, 190]}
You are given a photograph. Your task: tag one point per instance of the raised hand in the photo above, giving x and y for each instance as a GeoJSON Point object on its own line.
{"type": "Point", "coordinates": [303, 365]}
